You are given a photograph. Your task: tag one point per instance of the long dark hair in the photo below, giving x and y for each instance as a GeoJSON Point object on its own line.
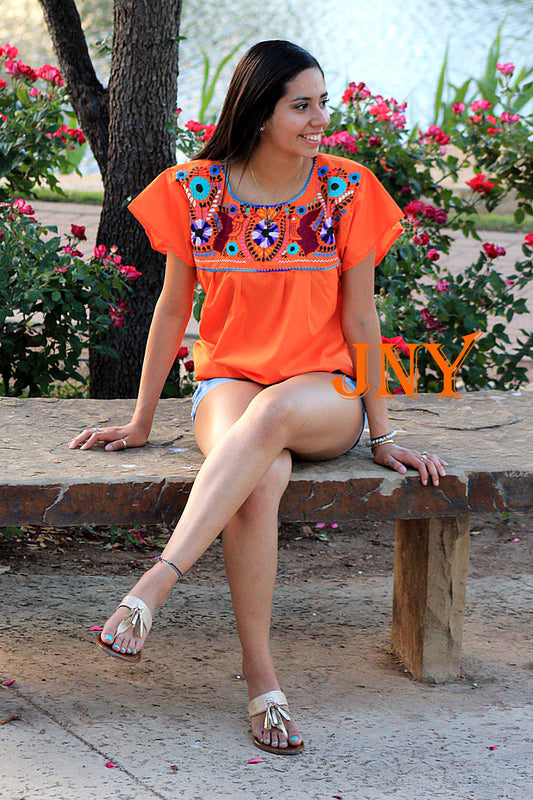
{"type": "Point", "coordinates": [259, 81]}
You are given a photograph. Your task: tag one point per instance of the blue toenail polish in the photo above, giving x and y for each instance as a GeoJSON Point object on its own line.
{"type": "Point", "coordinates": [122, 649]}
{"type": "Point", "coordinates": [108, 637]}
{"type": "Point", "coordinates": [129, 649]}
{"type": "Point", "coordinates": [116, 647]}
{"type": "Point", "coordinates": [135, 652]}
{"type": "Point", "coordinates": [294, 738]}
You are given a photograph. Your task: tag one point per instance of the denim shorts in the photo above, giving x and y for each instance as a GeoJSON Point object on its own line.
{"type": "Point", "coordinates": [205, 386]}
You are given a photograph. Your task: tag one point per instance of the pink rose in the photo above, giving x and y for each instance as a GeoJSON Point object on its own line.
{"type": "Point", "coordinates": [69, 250]}
{"type": "Point", "coordinates": [435, 134]}
{"type": "Point", "coordinates": [505, 69]}
{"type": "Point", "coordinates": [22, 207]}
{"type": "Point", "coordinates": [100, 251]}
{"type": "Point", "coordinates": [381, 111]}
{"type": "Point", "coordinates": [341, 139]}
{"type": "Point", "coordinates": [433, 254]}
{"type": "Point", "coordinates": [510, 118]}
{"type": "Point", "coordinates": [480, 105]}
{"type": "Point", "coordinates": [49, 73]}
{"type": "Point", "coordinates": [443, 286]}
{"type": "Point", "coordinates": [131, 272]}
{"type": "Point", "coordinates": [117, 313]}
{"type": "Point", "coordinates": [356, 92]}
{"type": "Point", "coordinates": [430, 321]}
{"type": "Point", "coordinates": [3, 83]}
{"type": "Point", "coordinates": [458, 108]}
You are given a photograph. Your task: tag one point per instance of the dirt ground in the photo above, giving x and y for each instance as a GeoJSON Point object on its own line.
{"type": "Point", "coordinates": [83, 725]}
{"type": "Point", "coordinates": [501, 545]}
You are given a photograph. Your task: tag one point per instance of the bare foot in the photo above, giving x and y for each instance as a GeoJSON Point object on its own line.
{"type": "Point", "coordinates": [153, 588]}
{"type": "Point", "coordinates": [261, 680]}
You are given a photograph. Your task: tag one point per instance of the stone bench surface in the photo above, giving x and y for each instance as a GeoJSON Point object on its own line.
{"type": "Point", "coordinates": [485, 437]}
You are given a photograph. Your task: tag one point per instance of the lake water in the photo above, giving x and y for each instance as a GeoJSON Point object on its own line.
{"type": "Point", "coordinates": [395, 46]}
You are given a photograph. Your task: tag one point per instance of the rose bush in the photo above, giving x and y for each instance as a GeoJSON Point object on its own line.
{"type": "Point", "coordinates": [35, 140]}
{"type": "Point", "coordinates": [47, 289]}
{"type": "Point", "coordinates": [419, 299]}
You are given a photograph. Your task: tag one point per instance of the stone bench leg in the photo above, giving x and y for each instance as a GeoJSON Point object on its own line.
{"type": "Point", "coordinates": [430, 573]}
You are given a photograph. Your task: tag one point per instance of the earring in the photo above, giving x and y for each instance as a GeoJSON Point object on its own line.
{"type": "Point", "coordinates": [262, 128]}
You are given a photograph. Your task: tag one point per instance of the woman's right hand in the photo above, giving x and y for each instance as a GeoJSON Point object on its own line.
{"type": "Point", "coordinates": [115, 438]}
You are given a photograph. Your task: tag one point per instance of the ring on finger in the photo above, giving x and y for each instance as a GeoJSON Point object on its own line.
{"type": "Point", "coordinates": [390, 458]}
{"type": "Point", "coordinates": [124, 445]}
{"type": "Point", "coordinates": [96, 430]}
{"type": "Point", "coordinates": [424, 456]}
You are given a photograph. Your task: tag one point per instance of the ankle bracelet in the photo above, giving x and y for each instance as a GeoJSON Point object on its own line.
{"type": "Point", "coordinates": [170, 564]}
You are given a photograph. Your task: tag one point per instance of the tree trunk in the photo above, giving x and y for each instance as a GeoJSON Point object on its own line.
{"type": "Point", "coordinates": [141, 101]}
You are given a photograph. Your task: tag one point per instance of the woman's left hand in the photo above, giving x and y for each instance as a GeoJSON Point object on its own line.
{"type": "Point", "coordinates": [430, 465]}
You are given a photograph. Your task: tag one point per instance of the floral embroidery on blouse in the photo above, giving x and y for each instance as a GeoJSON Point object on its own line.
{"type": "Point", "coordinates": [228, 234]}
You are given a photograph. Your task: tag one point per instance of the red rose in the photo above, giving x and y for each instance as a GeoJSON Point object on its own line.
{"type": "Point", "coordinates": [528, 239]}
{"type": "Point", "coordinates": [9, 50]}
{"type": "Point", "coordinates": [20, 70]}
{"type": "Point", "coordinates": [493, 251]}
{"type": "Point", "coordinates": [78, 231]}
{"type": "Point", "coordinates": [183, 352]}
{"type": "Point", "coordinates": [433, 254]}
{"type": "Point", "coordinates": [480, 183]}
{"type": "Point", "coordinates": [399, 342]}
{"type": "Point", "coordinates": [195, 127]}
{"type": "Point", "coordinates": [189, 366]}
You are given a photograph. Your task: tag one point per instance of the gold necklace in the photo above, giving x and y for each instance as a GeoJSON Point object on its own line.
{"type": "Point", "coordinates": [268, 219]}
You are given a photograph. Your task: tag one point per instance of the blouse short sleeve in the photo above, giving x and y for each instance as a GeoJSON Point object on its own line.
{"type": "Point", "coordinates": [371, 223]}
{"type": "Point", "coordinates": [163, 211]}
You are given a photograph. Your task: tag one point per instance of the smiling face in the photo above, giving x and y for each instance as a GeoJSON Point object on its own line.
{"type": "Point", "coordinates": [300, 117]}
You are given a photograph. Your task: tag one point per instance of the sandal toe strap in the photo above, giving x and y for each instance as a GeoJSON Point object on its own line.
{"type": "Point", "coordinates": [271, 703]}
{"type": "Point", "coordinates": [139, 617]}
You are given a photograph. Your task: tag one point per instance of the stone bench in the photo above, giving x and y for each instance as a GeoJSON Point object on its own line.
{"type": "Point", "coordinates": [484, 436]}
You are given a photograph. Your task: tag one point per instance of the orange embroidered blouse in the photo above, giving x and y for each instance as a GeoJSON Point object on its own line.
{"type": "Point", "coordinates": [272, 283]}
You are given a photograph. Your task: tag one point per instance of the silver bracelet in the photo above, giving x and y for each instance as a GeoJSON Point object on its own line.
{"type": "Point", "coordinates": [381, 439]}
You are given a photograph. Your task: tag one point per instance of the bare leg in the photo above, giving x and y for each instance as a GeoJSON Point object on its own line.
{"type": "Point", "coordinates": [303, 414]}
{"type": "Point", "coordinates": [250, 542]}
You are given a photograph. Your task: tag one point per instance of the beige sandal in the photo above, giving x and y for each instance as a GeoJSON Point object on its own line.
{"type": "Point", "coordinates": [271, 703]}
{"type": "Point", "coordinates": [139, 618]}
